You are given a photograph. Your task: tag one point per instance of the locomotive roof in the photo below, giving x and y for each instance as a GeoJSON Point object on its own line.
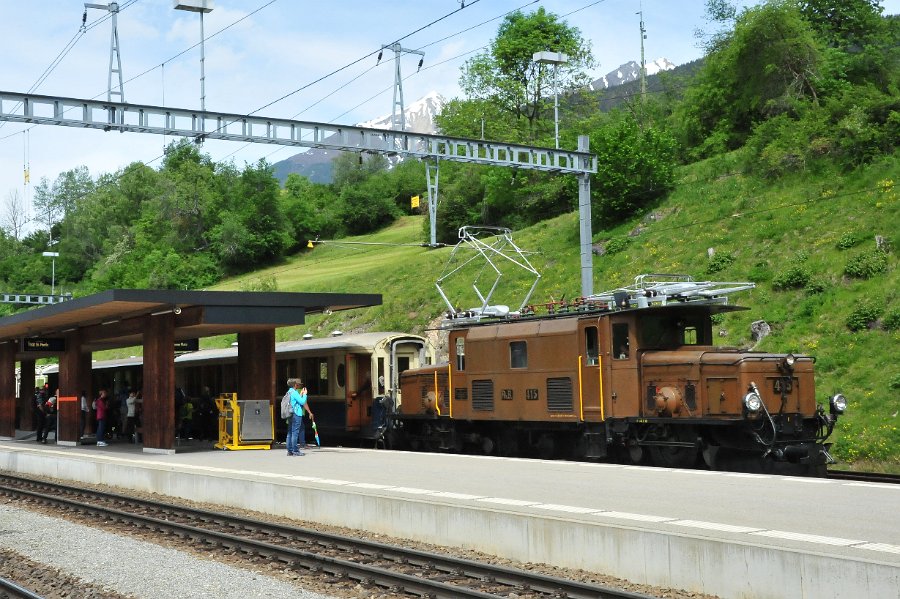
{"type": "Point", "coordinates": [649, 292]}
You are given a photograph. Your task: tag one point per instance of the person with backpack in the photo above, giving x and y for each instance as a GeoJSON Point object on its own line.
{"type": "Point", "coordinates": [299, 404]}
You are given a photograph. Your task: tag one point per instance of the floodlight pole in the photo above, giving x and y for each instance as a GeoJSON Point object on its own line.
{"type": "Point", "coordinates": [556, 59]}
{"type": "Point", "coordinates": [202, 7]}
{"type": "Point", "coordinates": [54, 256]}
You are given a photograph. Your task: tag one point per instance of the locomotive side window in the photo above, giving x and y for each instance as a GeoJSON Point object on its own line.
{"type": "Point", "coordinates": [518, 354]}
{"type": "Point", "coordinates": [460, 353]}
{"type": "Point", "coordinates": [690, 336]}
{"type": "Point", "coordinates": [620, 345]}
{"type": "Point", "coordinates": [591, 346]}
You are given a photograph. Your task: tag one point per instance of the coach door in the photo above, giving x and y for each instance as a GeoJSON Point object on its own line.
{"type": "Point", "coordinates": [358, 391]}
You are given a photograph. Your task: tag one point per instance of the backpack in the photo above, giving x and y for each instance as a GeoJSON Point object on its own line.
{"type": "Point", "coordinates": [286, 409]}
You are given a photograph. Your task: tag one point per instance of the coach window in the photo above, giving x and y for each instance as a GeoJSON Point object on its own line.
{"type": "Point", "coordinates": [591, 346]}
{"type": "Point", "coordinates": [621, 348]}
{"type": "Point", "coordinates": [518, 354]}
{"type": "Point", "coordinates": [460, 353]}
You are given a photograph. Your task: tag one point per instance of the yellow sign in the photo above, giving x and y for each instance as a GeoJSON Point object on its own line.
{"type": "Point", "coordinates": [414, 201]}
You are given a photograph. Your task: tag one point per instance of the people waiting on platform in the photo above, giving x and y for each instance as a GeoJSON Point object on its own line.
{"type": "Point", "coordinates": [85, 412]}
{"type": "Point", "coordinates": [39, 413]}
{"type": "Point", "coordinates": [101, 404]}
{"type": "Point", "coordinates": [50, 408]}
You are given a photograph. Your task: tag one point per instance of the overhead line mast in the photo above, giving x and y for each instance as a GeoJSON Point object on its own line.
{"type": "Point", "coordinates": [114, 54]}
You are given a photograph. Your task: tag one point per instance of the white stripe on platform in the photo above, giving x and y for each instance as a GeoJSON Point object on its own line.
{"type": "Point", "coordinates": [714, 526]}
{"type": "Point", "coordinates": [879, 547]}
{"type": "Point", "coordinates": [450, 495]}
{"type": "Point", "coordinates": [334, 481]}
{"type": "Point", "coordinates": [747, 475]}
{"type": "Point", "coordinates": [797, 536]}
{"type": "Point", "coordinates": [371, 486]}
{"type": "Point", "coordinates": [503, 501]}
{"type": "Point", "coordinates": [566, 508]}
{"type": "Point", "coordinates": [637, 517]}
{"type": "Point", "coordinates": [875, 485]}
{"type": "Point", "coordinates": [412, 490]}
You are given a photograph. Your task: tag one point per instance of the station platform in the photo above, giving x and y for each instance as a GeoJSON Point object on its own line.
{"type": "Point", "coordinates": [728, 534]}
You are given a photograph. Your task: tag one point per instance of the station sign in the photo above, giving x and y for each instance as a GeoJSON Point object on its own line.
{"type": "Point", "coordinates": [187, 345]}
{"type": "Point", "coordinates": [43, 344]}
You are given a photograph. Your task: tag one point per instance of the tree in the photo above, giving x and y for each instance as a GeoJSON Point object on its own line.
{"type": "Point", "coordinates": [768, 65]}
{"type": "Point", "coordinates": [635, 168]}
{"type": "Point", "coordinates": [507, 75]}
{"type": "Point", "coordinates": [15, 216]}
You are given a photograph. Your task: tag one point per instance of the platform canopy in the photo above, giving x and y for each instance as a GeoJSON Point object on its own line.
{"type": "Point", "coordinates": [115, 318]}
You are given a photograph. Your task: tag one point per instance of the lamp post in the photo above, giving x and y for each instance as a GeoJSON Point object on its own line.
{"type": "Point", "coordinates": [556, 59]}
{"type": "Point", "coordinates": [54, 256]}
{"type": "Point", "coordinates": [200, 6]}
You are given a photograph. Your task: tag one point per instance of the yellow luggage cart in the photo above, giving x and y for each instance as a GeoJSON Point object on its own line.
{"type": "Point", "coordinates": [247, 424]}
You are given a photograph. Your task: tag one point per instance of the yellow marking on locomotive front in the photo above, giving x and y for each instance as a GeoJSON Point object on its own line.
{"type": "Point", "coordinates": [600, 377]}
{"type": "Point", "coordinates": [450, 390]}
{"type": "Point", "coordinates": [437, 398]}
{"type": "Point", "coordinates": [580, 392]}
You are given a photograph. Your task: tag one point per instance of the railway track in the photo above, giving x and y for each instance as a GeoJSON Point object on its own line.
{"type": "Point", "coordinates": [10, 590]}
{"type": "Point", "coordinates": [374, 565]}
{"type": "Point", "coordinates": [869, 477]}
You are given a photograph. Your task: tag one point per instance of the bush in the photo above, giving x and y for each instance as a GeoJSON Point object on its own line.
{"type": "Point", "coordinates": [816, 285]}
{"type": "Point", "coordinates": [866, 265]}
{"type": "Point", "coordinates": [719, 261]}
{"type": "Point", "coordinates": [865, 313]}
{"type": "Point", "coordinates": [891, 320]}
{"type": "Point", "coordinates": [794, 277]}
{"type": "Point", "coordinates": [848, 240]}
{"type": "Point", "coordinates": [616, 245]}
{"type": "Point", "coordinates": [895, 382]}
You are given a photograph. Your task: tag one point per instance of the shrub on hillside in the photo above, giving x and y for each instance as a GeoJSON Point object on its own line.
{"type": "Point", "coordinates": [848, 240]}
{"type": "Point", "coordinates": [615, 245]}
{"type": "Point", "coordinates": [816, 285]}
{"type": "Point", "coordinates": [864, 315]}
{"type": "Point", "coordinates": [719, 261]}
{"type": "Point", "coordinates": [866, 265]}
{"type": "Point", "coordinates": [795, 277]}
{"type": "Point", "coordinates": [891, 320]}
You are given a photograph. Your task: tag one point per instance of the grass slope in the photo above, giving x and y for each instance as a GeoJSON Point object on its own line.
{"type": "Point", "coordinates": [802, 231]}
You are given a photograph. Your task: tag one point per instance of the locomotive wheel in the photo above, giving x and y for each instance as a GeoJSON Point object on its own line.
{"type": "Point", "coordinates": [676, 457]}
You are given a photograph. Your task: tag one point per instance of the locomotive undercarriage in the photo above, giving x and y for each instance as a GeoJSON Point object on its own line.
{"type": "Point", "coordinates": [786, 444]}
{"type": "Point", "coordinates": [796, 447]}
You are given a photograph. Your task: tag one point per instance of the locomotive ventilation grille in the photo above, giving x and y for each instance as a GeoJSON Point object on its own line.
{"type": "Point", "coordinates": [559, 395]}
{"type": "Point", "coordinates": [483, 395]}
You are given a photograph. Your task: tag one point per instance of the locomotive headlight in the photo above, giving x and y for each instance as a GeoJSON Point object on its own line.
{"type": "Point", "coordinates": [790, 359]}
{"type": "Point", "coordinates": [838, 404]}
{"type": "Point", "coordinates": [752, 402]}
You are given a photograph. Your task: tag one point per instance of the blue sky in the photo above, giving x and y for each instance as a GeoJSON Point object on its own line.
{"type": "Point", "coordinates": [270, 49]}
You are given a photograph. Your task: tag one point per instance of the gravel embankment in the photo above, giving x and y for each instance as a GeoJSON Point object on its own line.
{"type": "Point", "coordinates": [64, 559]}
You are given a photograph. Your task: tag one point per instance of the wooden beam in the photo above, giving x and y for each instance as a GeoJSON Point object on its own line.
{"type": "Point", "coordinates": [8, 390]}
{"type": "Point", "coordinates": [159, 382]}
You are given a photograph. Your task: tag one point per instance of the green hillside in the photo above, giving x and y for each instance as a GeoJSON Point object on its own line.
{"type": "Point", "coordinates": [807, 242]}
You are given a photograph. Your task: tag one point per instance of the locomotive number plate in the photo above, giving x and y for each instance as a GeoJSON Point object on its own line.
{"type": "Point", "coordinates": [531, 393]}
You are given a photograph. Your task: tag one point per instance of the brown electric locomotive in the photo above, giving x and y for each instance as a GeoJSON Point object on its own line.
{"type": "Point", "coordinates": [629, 375]}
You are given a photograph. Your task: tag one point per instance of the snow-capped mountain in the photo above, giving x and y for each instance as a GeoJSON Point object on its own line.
{"type": "Point", "coordinates": [631, 71]}
{"type": "Point", "coordinates": [419, 115]}
{"type": "Point", "coordinates": [316, 163]}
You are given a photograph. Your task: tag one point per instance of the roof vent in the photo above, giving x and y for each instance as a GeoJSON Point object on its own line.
{"type": "Point", "coordinates": [336, 333]}
{"type": "Point", "coordinates": [307, 336]}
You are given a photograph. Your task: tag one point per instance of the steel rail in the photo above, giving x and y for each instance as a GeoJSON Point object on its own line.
{"type": "Point", "coordinates": [10, 590]}
{"type": "Point", "coordinates": [443, 566]}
